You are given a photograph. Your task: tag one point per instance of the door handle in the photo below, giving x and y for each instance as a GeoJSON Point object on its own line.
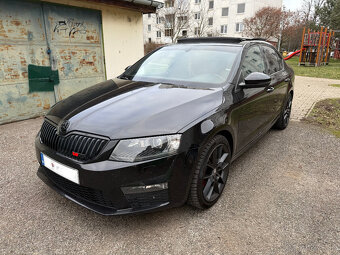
{"type": "Point", "coordinates": [270, 89]}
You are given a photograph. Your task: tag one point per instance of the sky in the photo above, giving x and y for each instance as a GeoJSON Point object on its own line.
{"type": "Point", "coordinates": [293, 5]}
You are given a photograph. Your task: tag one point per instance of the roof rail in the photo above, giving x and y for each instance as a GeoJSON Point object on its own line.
{"type": "Point", "coordinates": [217, 39]}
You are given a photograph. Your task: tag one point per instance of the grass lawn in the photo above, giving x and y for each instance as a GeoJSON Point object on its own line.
{"type": "Point", "coordinates": [326, 113]}
{"type": "Point", "coordinates": [335, 85]}
{"type": "Point", "coordinates": [330, 71]}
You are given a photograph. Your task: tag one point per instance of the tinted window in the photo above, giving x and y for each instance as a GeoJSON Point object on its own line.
{"type": "Point", "coordinates": [274, 60]}
{"type": "Point", "coordinates": [253, 62]}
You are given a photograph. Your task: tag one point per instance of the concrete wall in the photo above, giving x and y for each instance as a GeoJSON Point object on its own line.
{"type": "Point", "coordinates": [122, 34]}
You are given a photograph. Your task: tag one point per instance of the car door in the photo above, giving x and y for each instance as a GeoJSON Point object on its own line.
{"type": "Point", "coordinates": [279, 80]}
{"type": "Point", "coordinates": [251, 112]}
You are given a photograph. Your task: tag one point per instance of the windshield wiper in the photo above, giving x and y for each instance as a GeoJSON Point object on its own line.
{"type": "Point", "coordinates": [124, 77]}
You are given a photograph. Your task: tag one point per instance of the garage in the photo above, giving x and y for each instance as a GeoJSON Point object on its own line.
{"type": "Point", "coordinates": [49, 51]}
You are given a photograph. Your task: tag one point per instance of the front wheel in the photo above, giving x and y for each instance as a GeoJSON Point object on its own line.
{"type": "Point", "coordinates": [283, 120]}
{"type": "Point", "coordinates": [211, 173]}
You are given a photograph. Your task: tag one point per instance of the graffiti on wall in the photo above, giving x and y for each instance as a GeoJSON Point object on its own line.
{"type": "Point", "coordinates": [70, 27]}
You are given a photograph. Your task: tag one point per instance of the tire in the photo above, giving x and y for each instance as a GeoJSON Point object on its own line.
{"type": "Point", "coordinates": [209, 171]}
{"type": "Point", "coordinates": [283, 120]}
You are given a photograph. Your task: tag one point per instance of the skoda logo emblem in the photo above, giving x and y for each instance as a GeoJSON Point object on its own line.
{"type": "Point", "coordinates": [63, 127]}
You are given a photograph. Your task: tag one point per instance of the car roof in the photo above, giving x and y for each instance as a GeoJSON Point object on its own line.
{"type": "Point", "coordinates": [219, 40]}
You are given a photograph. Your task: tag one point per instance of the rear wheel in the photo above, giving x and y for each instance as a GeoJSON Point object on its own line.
{"type": "Point", "coordinates": [211, 173]}
{"type": "Point", "coordinates": [283, 121]}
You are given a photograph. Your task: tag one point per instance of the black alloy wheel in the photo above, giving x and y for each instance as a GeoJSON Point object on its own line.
{"type": "Point", "coordinates": [211, 173]}
{"type": "Point", "coordinates": [283, 120]}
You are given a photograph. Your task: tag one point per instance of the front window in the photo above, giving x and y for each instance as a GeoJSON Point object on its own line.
{"type": "Point", "coordinates": [210, 21]}
{"type": "Point", "coordinates": [203, 66]}
{"type": "Point", "coordinates": [223, 29]}
{"type": "Point", "coordinates": [253, 62]}
{"type": "Point", "coordinates": [211, 4]}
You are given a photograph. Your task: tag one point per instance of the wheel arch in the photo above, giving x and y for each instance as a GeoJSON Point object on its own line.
{"type": "Point", "coordinates": [229, 137]}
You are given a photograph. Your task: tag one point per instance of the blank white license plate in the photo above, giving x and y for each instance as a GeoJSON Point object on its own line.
{"type": "Point", "coordinates": [64, 171]}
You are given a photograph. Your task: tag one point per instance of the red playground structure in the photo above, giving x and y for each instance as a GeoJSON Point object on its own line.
{"type": "Point", "coordinates": [316, 47]}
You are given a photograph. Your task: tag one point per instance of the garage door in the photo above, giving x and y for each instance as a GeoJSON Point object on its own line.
{"type": "Point", "coordinates": [68, 39]}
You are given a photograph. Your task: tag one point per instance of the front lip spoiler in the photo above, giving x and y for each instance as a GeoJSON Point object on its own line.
{"type": "Point", "coordinates": [107, 211]}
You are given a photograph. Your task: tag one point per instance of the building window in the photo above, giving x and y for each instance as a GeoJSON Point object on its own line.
{"type": "Point", "coordinates": [239, 27]}
{"type": "Point", "coordinates": [210, 21]}
{"type": "Point", "coordinates": [185, 33]}
{"type": "Point", "coordinates": [149, 15]}
{"type": "Point", "coordinates": [149, 28]}
{"type": "Point", "coordinates": [197, 15]}
{"type": "Point", "coordinates": [149, 40]}
{"type": "Point", "coordinates": [158, 20]}
{"type": "Point", "coordinates": [169, 3]}
{"type": "Point", "coordinates": [169, 32]}
{"type": "Point", "coordinates": [225, 11]}
{"type": "Point", "coordinates": [241, 8]}
{"type": "Point", "coordinates": [169, 20]}
{"type": "Point", "coordinates": [159, 34]}
{"type": "Point", "coordinates": [223, 29]}
{"type": "Point", "coordinates": [211, 4]}
{"type": "Point", "coordinates": [197, 1]}
{"type": "Point", "coordinates": [197, 31]}
{"type": "Point", "coordinates": [182, 19]}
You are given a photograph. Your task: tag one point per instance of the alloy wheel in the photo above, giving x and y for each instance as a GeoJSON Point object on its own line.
{"type": "Point", "coordinates": [287, 111]}
{"type": "Point", "coordinates": [216, 173]}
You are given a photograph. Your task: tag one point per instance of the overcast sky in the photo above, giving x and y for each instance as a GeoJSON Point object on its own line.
{"type": "Point", "coordinates": [293, 5]}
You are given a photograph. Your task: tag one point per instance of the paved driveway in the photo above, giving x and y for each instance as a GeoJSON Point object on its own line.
{"type": "Point", "coordinates": [308, 91]}
{"type": "Point", "coordinates": [282, 197]}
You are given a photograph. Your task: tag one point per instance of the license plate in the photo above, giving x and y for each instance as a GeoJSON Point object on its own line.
{"type": "Point", "coordinates": [60, 169]}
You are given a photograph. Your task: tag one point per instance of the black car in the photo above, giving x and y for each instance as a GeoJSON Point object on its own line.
{"type": "Point", "coordinates": [165, 131]}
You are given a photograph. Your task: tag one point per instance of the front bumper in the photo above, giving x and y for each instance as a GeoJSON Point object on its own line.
{"type": "Point", "coordinates": [103, 184]}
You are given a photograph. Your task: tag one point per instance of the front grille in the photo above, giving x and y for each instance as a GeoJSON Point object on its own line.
{"type": "Point", "coordinates": [91, 195]}
{"type": "Point", "coordinates": [147, 199]}
{"type": "Point", "coordinates": [85, 146]}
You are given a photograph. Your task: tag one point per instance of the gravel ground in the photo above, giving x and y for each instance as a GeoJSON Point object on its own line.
{"type": "Point", "coordinates": [282, 197]}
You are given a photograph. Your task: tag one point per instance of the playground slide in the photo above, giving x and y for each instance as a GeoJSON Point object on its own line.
{"type": "Point", "coordinates": [292, 55]}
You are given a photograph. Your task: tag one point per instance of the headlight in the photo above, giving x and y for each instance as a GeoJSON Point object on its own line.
{"type": "Point", "coordinates": [146, 148]}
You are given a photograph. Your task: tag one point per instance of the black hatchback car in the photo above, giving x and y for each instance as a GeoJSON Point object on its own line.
{"type": "Point", "coordinates": [165, 131]}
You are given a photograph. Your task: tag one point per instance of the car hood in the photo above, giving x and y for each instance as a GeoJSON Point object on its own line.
{"type": "Point", "coordinates": [125, 109]}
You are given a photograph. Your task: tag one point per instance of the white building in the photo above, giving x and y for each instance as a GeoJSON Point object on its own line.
{"type": "Point", "coordinates": [213, 17]}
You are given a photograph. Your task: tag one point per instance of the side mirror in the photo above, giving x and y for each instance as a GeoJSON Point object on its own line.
{"type": "Point", "coordinates": [126, 68]}
{"type": "Point", "coordinates": [256, 80]}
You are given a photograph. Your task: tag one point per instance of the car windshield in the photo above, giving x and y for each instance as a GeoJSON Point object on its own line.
{"type": "Point", "coordinates": [205, 66]}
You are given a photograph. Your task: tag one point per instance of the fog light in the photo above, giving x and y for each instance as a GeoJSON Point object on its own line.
{"type": "Point", "coordinates": [145, 188]}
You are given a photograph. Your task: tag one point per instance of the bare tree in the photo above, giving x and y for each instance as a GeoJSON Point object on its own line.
{"type": "Point", "coordinates": [173, 18]}
{"type": "Point", "coordinates": [202, 18]}
{"type": "Point", "coordinates": [265, 23]}
{"type": "Point", "coordinates": [308, 12]}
